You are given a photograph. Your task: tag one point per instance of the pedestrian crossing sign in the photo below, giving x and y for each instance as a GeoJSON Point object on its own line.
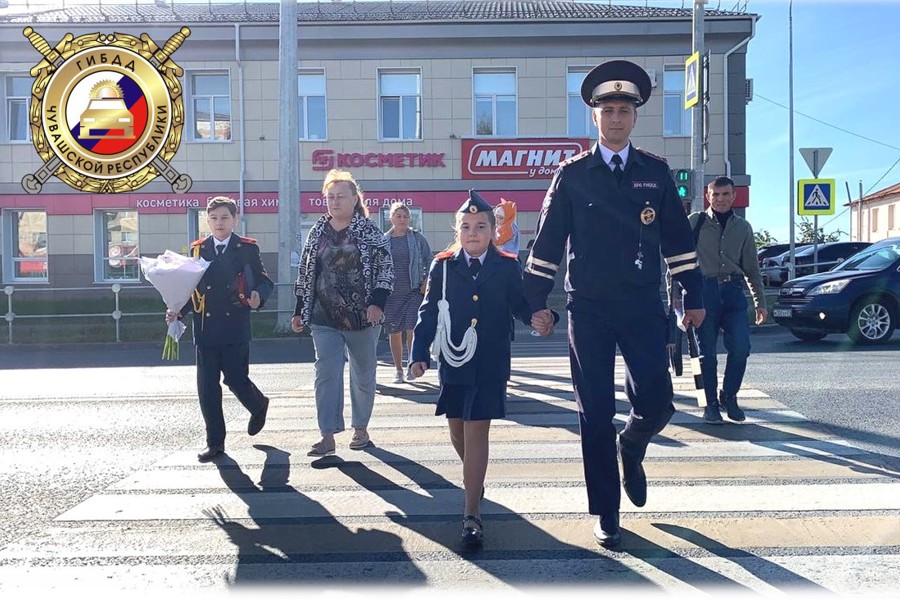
{"type": "Point", "coordinates": [815, 197]}
{"type": "Point", "coordinates": [692, 80]}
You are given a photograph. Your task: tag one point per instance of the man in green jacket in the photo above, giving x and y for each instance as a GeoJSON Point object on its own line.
{"type": "Point", "coordinates": [726, 251]}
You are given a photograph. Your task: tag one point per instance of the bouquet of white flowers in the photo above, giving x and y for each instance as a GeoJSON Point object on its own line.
{"type": "Point", "coordinates": [174, 276]}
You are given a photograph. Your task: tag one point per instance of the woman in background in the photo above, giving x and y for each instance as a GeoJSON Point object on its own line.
{"type": "Point", "coordinates": [411, 256]}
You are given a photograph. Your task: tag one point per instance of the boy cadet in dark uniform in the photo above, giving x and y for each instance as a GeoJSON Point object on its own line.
{"type": "Point", "coordinates": [235, 282]}
{"type": "Point", "coordinates": [612, 210]}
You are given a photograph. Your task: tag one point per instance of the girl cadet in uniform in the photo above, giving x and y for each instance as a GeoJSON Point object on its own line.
{"type": "Point", "coordinates": [472, 289]}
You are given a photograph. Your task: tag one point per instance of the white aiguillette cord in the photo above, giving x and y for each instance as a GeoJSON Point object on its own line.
{"type": "Point", "coordinates": [455, 356]}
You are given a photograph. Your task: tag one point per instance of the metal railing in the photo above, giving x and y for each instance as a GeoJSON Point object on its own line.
{"type": "Point", "coordinates": [116, 314]}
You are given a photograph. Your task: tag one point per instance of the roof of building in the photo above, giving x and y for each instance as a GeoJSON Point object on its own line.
{"type": "Point", "coordinates": [168, 11]}
{"type": "Point", "coordinates": [893, 190]}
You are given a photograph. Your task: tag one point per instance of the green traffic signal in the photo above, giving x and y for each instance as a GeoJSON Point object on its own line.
{"type": "Point", "coordinates": [683, 183]}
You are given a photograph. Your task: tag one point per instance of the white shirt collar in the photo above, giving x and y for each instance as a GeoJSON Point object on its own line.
{"type": "Point", "coordinates": [469, 257]}
{"type": "Point", "coordinates": [217, 243]}
{"type": "Point", "coordinates": [607, 154]}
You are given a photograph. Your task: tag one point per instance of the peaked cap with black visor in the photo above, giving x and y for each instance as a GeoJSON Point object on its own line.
{"type": "Point", "coordinates": [616, 80]}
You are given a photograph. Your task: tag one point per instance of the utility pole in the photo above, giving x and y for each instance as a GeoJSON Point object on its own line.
{"type": "Point", "coordinates": [288, 161]}
{"type": "Point", "coordinates": [791, 205]}
{"type": "Point", "coordinates": [697, 115]}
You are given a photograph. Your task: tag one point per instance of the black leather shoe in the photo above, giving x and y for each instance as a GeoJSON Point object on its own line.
{"type": "Point", "coordinates": [711, 414]}
{"type": "Point", "coordinates": [210, 453]}
{"type": "Point", "coordinates": [606, 530]}
{"type": "Point", "coordinates": [634, 480]}
{"type": "Point", "coordinates": [732, 409]}
{"type": "Point", "coordinates": [258, 420]}
{"type": "Point", "coordinates": [473, 532]}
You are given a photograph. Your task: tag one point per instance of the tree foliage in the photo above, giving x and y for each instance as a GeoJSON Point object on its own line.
{"type": "Point", "coordinates": [806, 233]}
{"type": "Point", "coordinates": [763, 238]}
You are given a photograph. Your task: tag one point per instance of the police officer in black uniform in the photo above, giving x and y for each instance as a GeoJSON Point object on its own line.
{"type": "Point", "coordinates": [611, 211]}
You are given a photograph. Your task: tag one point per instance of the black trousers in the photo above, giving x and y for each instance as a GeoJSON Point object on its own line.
{"type": "Point", "coordinates": [648, 385]}
{"type": "Point", "coordinates": [232, 361]}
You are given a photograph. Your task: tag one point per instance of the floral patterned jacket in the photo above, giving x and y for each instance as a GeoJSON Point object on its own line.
{"type": "Point", "coordinates": [375, 253]}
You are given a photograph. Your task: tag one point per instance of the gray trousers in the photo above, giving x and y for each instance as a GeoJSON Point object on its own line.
{"type": "Point", "coordinates": [332, 346]}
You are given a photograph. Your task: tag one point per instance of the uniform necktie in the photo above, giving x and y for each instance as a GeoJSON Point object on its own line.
{"type": "Point", "coordinates": [617, 167]}
{"type": "Point", "coordinates": [220, 248]}
{"type": "Point", "coordinates": [474, 266]}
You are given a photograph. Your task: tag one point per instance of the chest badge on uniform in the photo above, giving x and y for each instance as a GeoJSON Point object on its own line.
{"type": "Point", "coordinates": [648, 215]}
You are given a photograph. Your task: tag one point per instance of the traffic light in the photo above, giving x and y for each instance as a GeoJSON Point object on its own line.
{"type": "Point", "coordinates": [684, 183]}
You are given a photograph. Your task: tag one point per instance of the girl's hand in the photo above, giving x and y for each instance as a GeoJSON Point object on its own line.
{"type": "Point", "coordinates": [418, 368]}
{"type": "Point", "coordinates": [296, 324]}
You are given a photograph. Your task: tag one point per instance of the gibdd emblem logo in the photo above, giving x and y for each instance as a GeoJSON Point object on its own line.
{"type": "Point", "coordinates": [106, 112]}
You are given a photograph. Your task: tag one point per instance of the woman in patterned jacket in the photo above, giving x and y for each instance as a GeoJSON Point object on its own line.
{"type": "Point", "coordinates": [344, 279]}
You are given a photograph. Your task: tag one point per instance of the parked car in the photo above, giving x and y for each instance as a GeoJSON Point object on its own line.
{"type": "Point", "coordinates": [774, 270]}
{"type": "Point", "coordinates": [770, 251]}
{"type": "Point", "coordinates": [829, 255]}
{"type": "Point", "coordinates": [859, 297]}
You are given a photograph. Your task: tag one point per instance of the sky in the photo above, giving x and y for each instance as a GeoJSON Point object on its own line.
{"type": "Point", "coordinates": [847, 77]}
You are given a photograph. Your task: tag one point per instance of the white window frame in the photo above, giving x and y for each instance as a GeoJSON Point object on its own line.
{"type": "Point", "coordinates": [493, 98]}
{"type": "Point", "coordinates": [11, 238]}
{"type": "Point", "coordinates": [101, 248]}
{"type": "Point", "coordinates": [192, 96]}
{"type": "Point", "coordinates": [404, 136]}
{"type": "Point", "coordinates": [196, 225]}
{"type": "Point", "coordinates": [303, 105]}
{"type": "Point", "coordinates": [576, 96]}
{"type": "Point", "coordinates": [686, 114]}
{"type": "Point", "coordinates": [6, 113]}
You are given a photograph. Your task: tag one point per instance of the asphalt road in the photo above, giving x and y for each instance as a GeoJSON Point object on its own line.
{"type": "Point", "coordinates": [74, 419]}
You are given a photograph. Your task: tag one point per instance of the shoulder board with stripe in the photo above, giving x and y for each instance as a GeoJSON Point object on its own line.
{"type": "Point", "coordinates": [444, 255]}
{"type": "Point", "coordinates": [198, 242]}
{"type": "Point", "coordinates": [507, 254]}
{"type": "Point", "coordinates": [569, 161]}
{"type": "Point", "coordinates": [246, 240]}
{"type": "Point", "coordinates": [651, 155]}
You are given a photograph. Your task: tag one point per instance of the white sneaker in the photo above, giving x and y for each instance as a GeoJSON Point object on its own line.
{"type": "Point", "coordinates": [409, 374]}
{"type": "Point", "coordinates": [399, 377]}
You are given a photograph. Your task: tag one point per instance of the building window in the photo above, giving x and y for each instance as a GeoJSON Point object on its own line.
{"type": "Point", "coordinates": [210, 94]}
{"type": "Point", "coordinates": [400, 105]}
{"type": "Point", "coordinates": [874, 218]}
{"type": "Point", "coordinates": [494, 91]}
{"type": "Point", "coordinates": [25, 245]}
{"type": "Point", "coordinates": [890, 217]}
{"type": "Point", "coordinates": [311, 104]}
{"type": "Point", "coordinates": [17, 95]}
{"type": "Point", "coordinates": [580, 123]}
{"type": "Point", "coordinates": [117, 245]}
{"type": "Point", "coordinates": [198, 225]}
{"type": "Point", "coordinates": [676, 119]}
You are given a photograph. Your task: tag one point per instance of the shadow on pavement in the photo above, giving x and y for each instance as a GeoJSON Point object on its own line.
{"type": "Point", "coordinates": [765, 570]}
{"type": "Point", "coordinates": [264, 551]}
